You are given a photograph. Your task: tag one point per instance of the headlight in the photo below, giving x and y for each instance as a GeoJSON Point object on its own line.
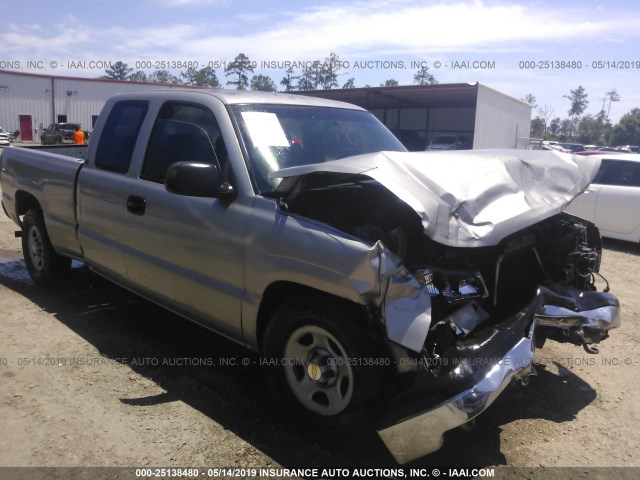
{"type": "Point", "coordinates": [452, 286]}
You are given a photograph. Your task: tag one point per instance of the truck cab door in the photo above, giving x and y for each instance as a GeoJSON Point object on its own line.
{"type": "Point", "coordinates": [103, 190]}
{"type": "Point", "coordinates": [186, 252]}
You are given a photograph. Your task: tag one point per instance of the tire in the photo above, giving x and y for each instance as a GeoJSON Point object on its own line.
{"type": "Point", "coordinates": [310, 347]}
{"type": "Point", "coordinates": [44, 265]}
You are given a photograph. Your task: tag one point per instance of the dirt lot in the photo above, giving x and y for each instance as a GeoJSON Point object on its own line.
{"type": "Point", "coordinates": [91, 375]}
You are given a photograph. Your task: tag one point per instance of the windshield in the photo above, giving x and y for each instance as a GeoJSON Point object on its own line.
{"type": "Point", "coordinates": [281, 136]}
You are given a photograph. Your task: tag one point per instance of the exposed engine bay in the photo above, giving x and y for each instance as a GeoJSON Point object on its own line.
{"type": "Point", "coordinates": [470, 288]}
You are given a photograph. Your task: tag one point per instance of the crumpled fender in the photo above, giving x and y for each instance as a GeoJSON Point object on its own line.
{"type": "Point", "coordinates": [405, 305]}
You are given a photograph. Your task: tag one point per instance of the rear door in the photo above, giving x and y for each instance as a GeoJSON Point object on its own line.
{"type": "Point", "coordinates": [618, 202]}
{"type": "Point", "coordinates": [103, 189]}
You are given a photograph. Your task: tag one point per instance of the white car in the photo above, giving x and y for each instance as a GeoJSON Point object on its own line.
{"type": "Point", "coordinates": [4, 137]}
{"type": "Point", "coordinates": [612, 201]}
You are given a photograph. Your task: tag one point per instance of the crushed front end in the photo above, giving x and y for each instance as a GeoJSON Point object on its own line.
{"type": "Point", "coordinates": [490, 308]}
{"type": "Point", "coordinates": [477, 265]}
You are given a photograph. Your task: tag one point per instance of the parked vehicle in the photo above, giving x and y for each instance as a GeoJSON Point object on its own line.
{"type": "Point", "coordinates": [58, 133]}
{"type": "Point", "coordinates": [613, 198]}
{"type": "Point", "coordinates": [413, 287]}
{"type": "Point", "coordinates": [599, 153]}
{"type": "Point", "coordinates": [629, 148]}
{"type": "Point", "coordinates": [554, 148]}
{"type": "Point", "coordinates": [5, 137]}
{"type": "Point", "coordinates": [572, 147]}
{"type": "Point", "coordinates": [449, 142]}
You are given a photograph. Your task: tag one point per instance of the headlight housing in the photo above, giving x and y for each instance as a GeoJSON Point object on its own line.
{"type": "Point", "coordinates": [452, 287]}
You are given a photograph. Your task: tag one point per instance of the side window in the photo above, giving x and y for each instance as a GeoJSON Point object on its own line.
{"type": "Point", "coordinates": [183, 132]}
{"type": "Point", "coordinates": [618, 172]}
{"type": "Point", "coordinates": [119, 136]}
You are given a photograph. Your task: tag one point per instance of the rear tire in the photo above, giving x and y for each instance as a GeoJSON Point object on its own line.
{"type": "Point", "coordinates": [45, 266]}
{"type": "Point", "coordinates": [314, 351]}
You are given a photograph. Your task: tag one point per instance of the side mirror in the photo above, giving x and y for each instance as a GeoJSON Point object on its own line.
{"type": "Point", "coordinates": [194, 179]}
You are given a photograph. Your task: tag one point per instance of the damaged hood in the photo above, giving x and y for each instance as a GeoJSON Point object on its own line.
{"type": "Point", "coordinates": [467, 198]}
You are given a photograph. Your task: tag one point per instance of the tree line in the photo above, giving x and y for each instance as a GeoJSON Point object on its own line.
{"type": "Point", "coordinates": [589, 128]}
{"type": "Point", "coordinates": [324, 74]}
{"type": "Point", "coordinates": [239, 73]}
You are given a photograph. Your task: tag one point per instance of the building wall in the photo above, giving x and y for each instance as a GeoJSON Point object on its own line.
{"type": "Point", "coordinates": [21, 95]}
{"type": "Point", "coordinates": [416, 127]}
{"type": "Point", "coordinates": [500, 120]}
{"type": "Point", "coordinates": [495, 122]}
{"type": "Point", "coordinates": [45, 98]}
{"type": "Point", "coordinates": [451, 121]}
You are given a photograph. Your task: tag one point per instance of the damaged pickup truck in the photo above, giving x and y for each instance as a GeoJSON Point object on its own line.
{"type": "Point", "coordinates": [413, 287]}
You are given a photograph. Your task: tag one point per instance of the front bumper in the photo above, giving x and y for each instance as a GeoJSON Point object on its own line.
{"type": "Point", "coordinates": [416, 431]}
{"type": "Point", "coordinates": [581, 318]}
{"type": "Point", "coordinates": [423, 433]}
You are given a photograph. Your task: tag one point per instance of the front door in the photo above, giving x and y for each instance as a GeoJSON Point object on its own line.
{"type": "Point", "coordinates": [186, 252]}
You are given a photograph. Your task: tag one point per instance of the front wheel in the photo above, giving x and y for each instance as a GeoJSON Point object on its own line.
{"type": "Point", "coordinates": [44, 265]}
{"type": "Point", "coordinates": [316, 354]}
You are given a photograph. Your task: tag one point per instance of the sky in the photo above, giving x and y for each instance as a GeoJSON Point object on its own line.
{"type": "Point", "coordinates": [543, 48]}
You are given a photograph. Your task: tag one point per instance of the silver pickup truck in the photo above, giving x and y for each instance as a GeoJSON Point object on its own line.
{"type": "Point", "coordinates": [413, 287]}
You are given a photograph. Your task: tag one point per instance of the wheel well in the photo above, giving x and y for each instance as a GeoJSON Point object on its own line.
{"type": "Point", "coordinates": [25, 202]}
{"type": "Point", "coordinates": [278, 292]}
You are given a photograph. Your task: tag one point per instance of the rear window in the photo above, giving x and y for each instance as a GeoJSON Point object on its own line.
{"type": "Point", "coordinates": [119, 136]}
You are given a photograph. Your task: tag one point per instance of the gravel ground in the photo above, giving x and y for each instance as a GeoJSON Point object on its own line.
{"type": "Point", "coordinates": [91, 375]}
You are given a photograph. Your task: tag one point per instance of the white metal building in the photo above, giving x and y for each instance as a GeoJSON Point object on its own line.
{"type": "Point", "coordinates": [416, 114]}
{"type": "Point", "coordinates": [419, 113]}
{"type": "Point", "coordinates": [30, 102]}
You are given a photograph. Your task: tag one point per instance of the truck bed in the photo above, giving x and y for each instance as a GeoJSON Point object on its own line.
{"type": "Point", "coordinates": [74, 151]}
{"type": "Point", "coordinates": [50, 178]}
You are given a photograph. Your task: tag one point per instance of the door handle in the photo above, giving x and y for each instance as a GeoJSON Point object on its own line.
{"type": "Point", "coordinates": [136, 205]}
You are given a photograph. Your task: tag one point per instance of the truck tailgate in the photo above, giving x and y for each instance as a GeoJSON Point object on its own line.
{"type": "Point", "coordinates": [50, 179]}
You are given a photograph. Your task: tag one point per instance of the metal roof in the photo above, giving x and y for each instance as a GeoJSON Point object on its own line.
{"type": "Point", "coordinates": [438, 95]}
{"type": "Point", "coordinates": [239, 97]}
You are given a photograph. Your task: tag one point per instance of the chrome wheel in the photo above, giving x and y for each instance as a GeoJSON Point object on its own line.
{"type": "Point", "coordinates": [317, 370]}
{"type": "Point", "coordinates": [36, 249]}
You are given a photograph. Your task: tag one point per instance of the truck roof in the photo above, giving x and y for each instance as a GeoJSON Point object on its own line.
{"type": "Point", "coordinates": [236, 97]}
